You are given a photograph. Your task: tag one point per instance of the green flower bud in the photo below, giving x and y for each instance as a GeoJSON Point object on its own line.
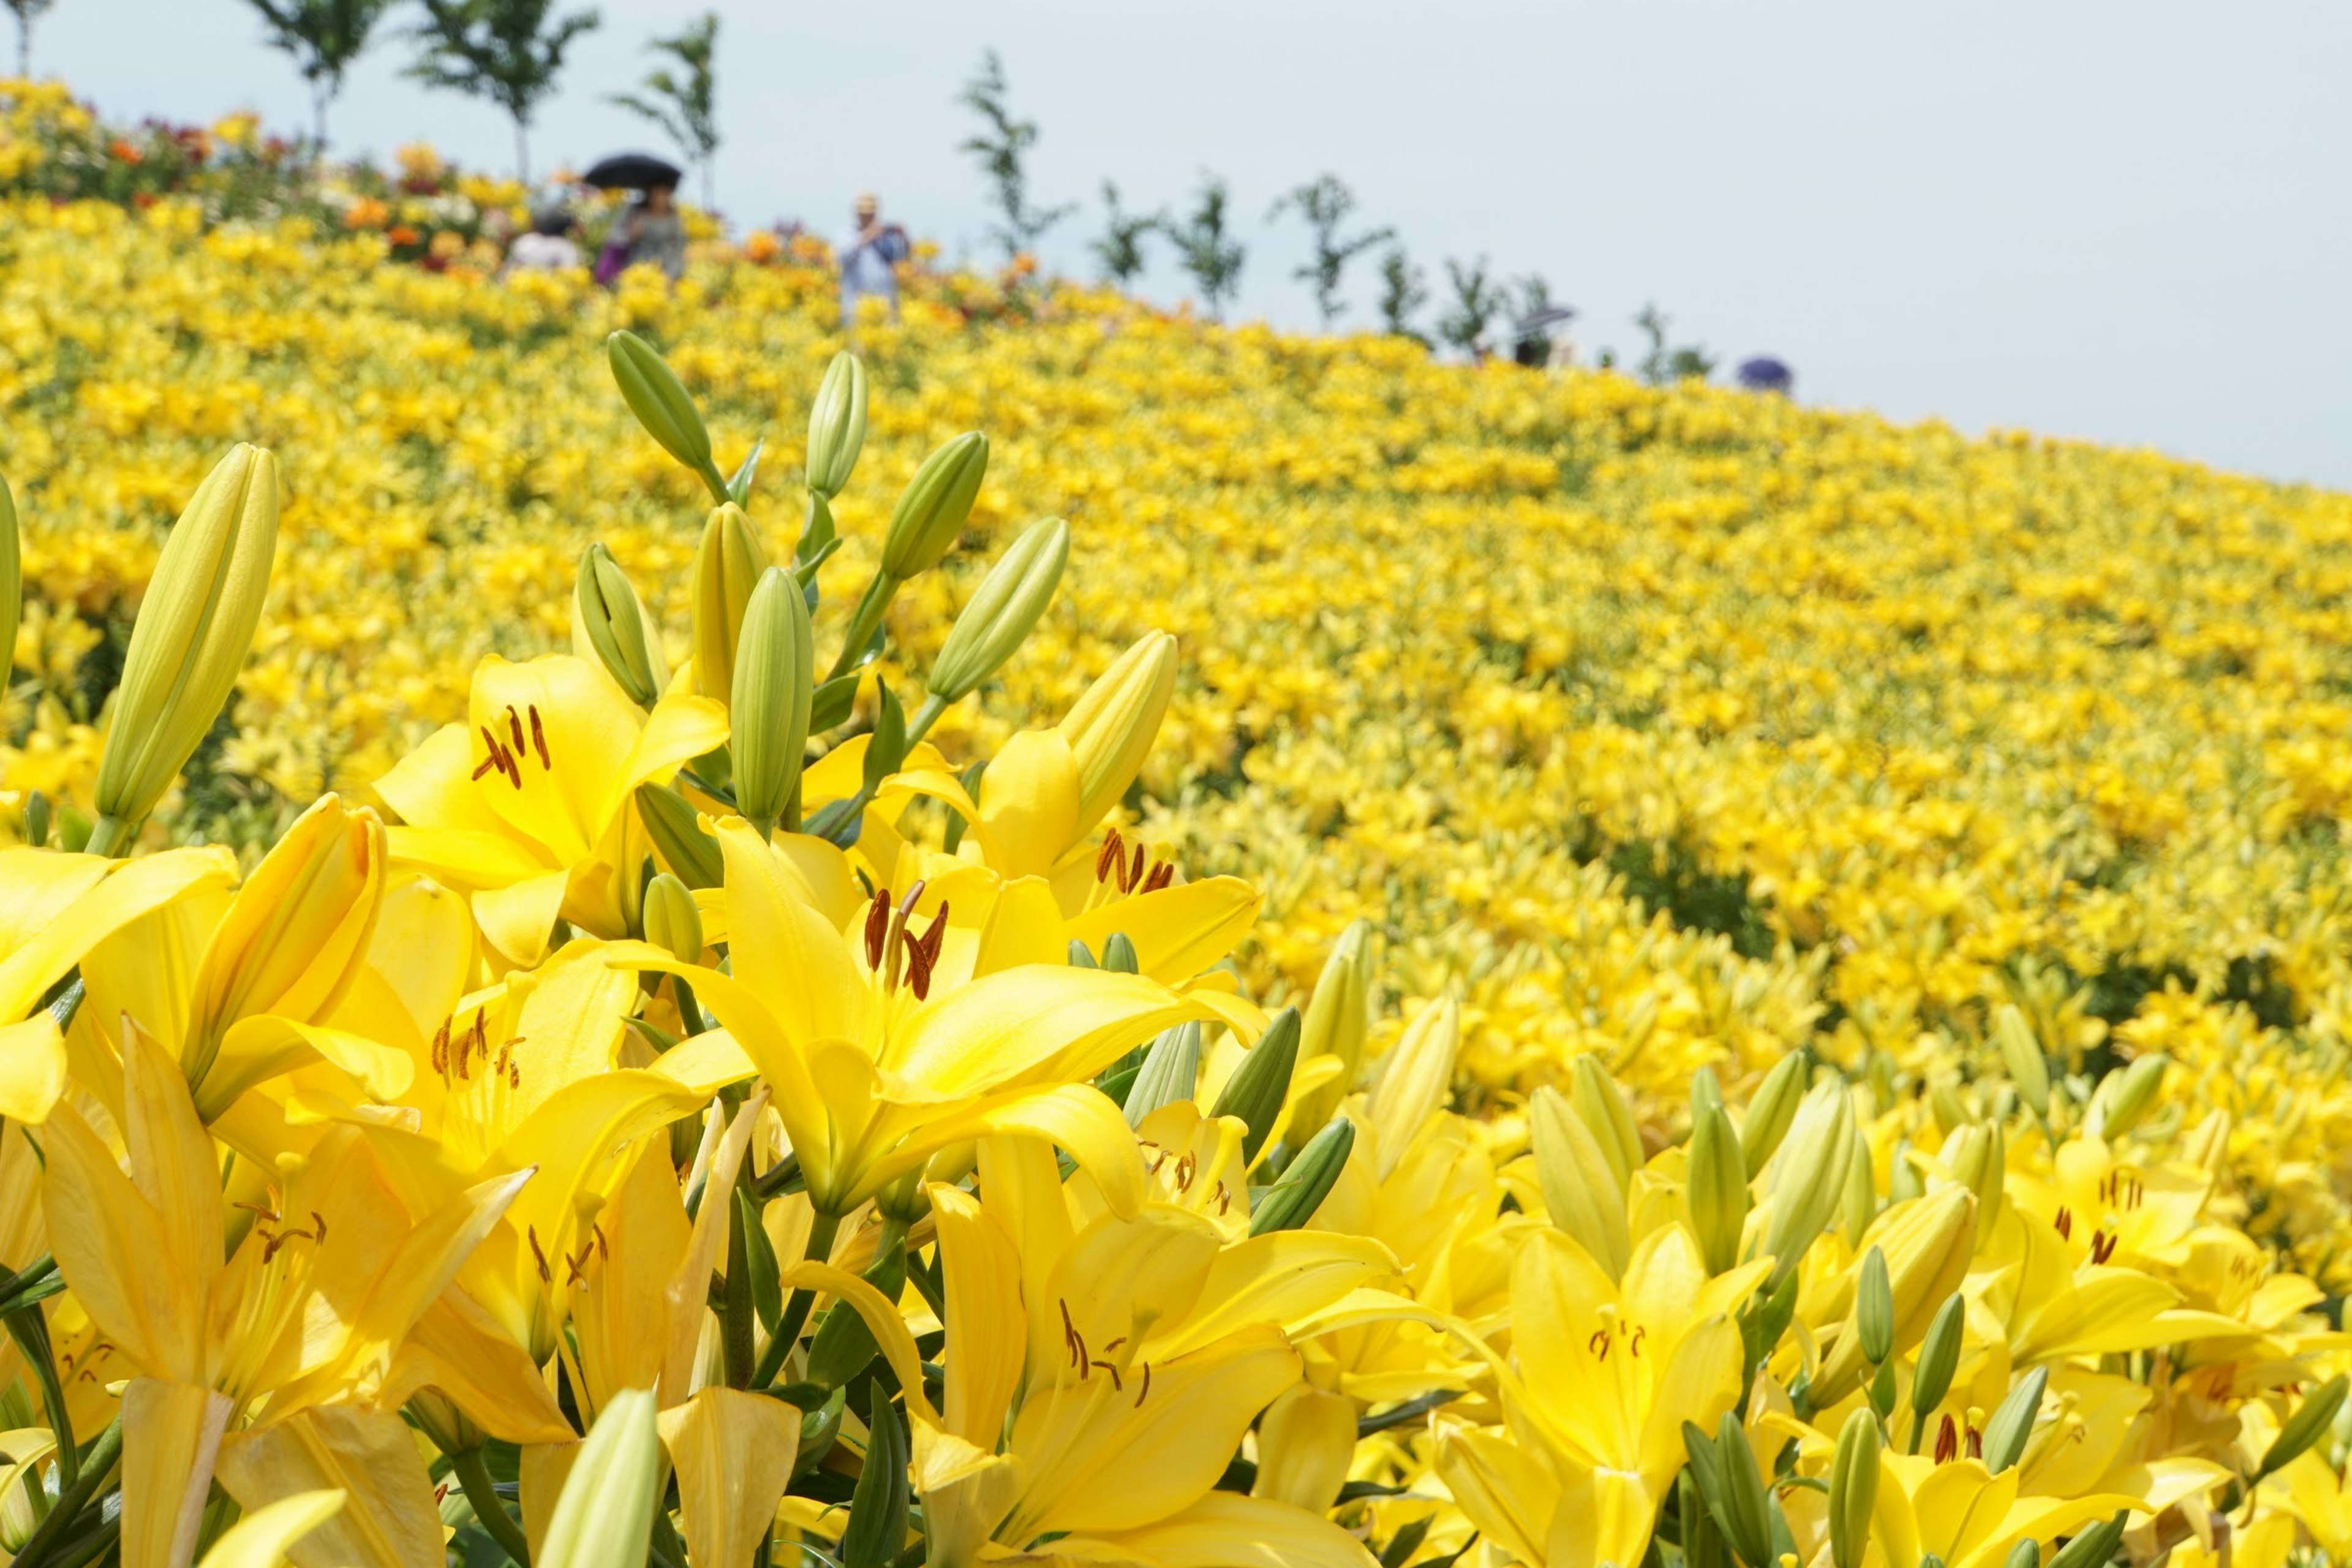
{"type": "Point", "coordinates": [1771, 1110]}
{"type": "Point", "coordinates": [1951, 1112]}
{"type": "Point", "coordinates": [1081, 955]}
{"type": "Point", "coordinates": [1337, 1023]}
{"type": "Point", "coordinates": [659, 400]}
{"type": "Point", "coordinates": [727, 567]}
{"type": "Point", "coordinates": [608, 616]}
{"type": "Point", "coordinates": [1749, 1526]}
{"type": "Point", "coordinates": [1256, 1090]}
{"type": "Point", "coordinates": [1291, 1203]}
{"type": "Point", "coordinates": [2125, 1096]}
{"type": "Point", "coordinates": [1809, 1176]}
{"type": "Point", "coordinates": [1874, 1308]}
{"type": "Point", "coordinates": [1903, 1179]}
{"type": "Point", "coordinates": [1600, 1105]}
{"type": "Point", "coordinates": [2029, 1070]}
{"type": "Point", "coordinates": [1861, 1193]}
{"type": "Point", "coordinates": [1706, 1090]}
{"type": "Point", "coordinates": [604, 1515]}
{"type": "Point", "coordinates": [1880, 1390]}
{"type": "Point", "coordinates": [2093, 1547]}
{"type": "Point", "coordinates": [1718, 1187]}
{"type": "Point", "coordinates": [2309, 1423]}
{"type": "Point", "coordinates": [2011, 1424]}
{"type": "Point", "coordinates": [1171, 1072]}
{"type": "Point", "coordinates": [1580, 1186]}
{"type": "Point", "coordinates": [775, 673]}
{"type": "Point", "coordinates": [1854, 1488]}
{"type": "Point", "coordinates": [1118, 954]}
{"type": "Point", "coordinates": [1113, 724]}
{"type": "Point", "coordinates": [1978, 1161]}
{"type": "Point", "coordinates": [194, 630]}
{"type": "Point", "coordinates": [836, 427]}
{"type": "Point", "coordinates": [2026, 1554]}
{"type": "Point", "coordinates": [1940, 1355]}
{"type": "Point", "coordinates": [36, 819]}
{"type": "Point", "coordinates": [12, 583]}
{"type": "Point", "coordinates": [1002, 611]}
{"type": "Point", "coordinates": [676, 828]}
{"type": "Point", "coordinates": [932, 512]}
{"type": "Point", "coordinates": [672, 923]}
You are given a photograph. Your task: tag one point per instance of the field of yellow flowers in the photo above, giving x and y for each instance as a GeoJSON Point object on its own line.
{"type": "Point", "coordinates": [1618, 974]}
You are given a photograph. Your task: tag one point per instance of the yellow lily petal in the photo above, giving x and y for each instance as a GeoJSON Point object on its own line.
{"type": "Point", "coordinates": [1274, 1279]}
{"type": "Point", "coordinates": [256, 1049]}
{"type": "Point", "coordinates": [1053, 1021]}
{"type": "Point", "coordinates": [1225, 1529]}
{"type": "Point", "coordinates": [984, 1315]}
{"type": "Point", "coordinates": [59, 909]}
{"type": "Point", "coordinates": [32, 1068]}
{"type": "Point", "coordinates": [170, 1437]}
{"type": "Point", "coordinates": [1507, 1491]}
{"type": "Point", "coordinates": [268, 1534]}
{"type": "Point", "coordinates": [733, 1452]}
{"type": "Point", "coordinates": [1029, 804]}
{"type": "Point", "coordinates": [389, 1520]}
{"type": "Point", "coordinates": [1179, 930]}
{"type": "Point", "coordinates": [460, 1349]}
{"type": "Point", "coordinates": [882, 1319]}
{"type": "Point", "coordinates": [1076, 1116]}
{"type": "Point", "coordinates": [113, 1251]}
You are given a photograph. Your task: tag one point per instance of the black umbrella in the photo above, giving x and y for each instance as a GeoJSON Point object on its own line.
{"type": "Point", "coordinates": [1549, 317]}
{"type": "Point", "coordinates": [631, 172]}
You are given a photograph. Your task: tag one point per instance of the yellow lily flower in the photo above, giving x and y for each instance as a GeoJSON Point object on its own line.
{"type": "Point", "coordinates": [1966, 1517]}
{"type": "Point", "coordinates": [2050, 1308]}
{"type": "Point", "coordinates": [874, 1073]}
{"type": "Point", "coordinates": [526, 807]}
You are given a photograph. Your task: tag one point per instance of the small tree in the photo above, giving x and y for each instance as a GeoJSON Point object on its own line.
{"type": "Point", "coordinates": [324, 36]}
{"type": "Point", "coordinates": [685, 106]}
{"type": "Point", "coordinates": [1478, 300]}
{"type": "Point", "coordinates": [1664, 365]}
{"type": "Point", "coordinates": [508, 51]}
{"type": "Point", "coordinates": [27, 12]}
{"type": "Point", "coordinates": [1325, 203]}
{"type": "Point", "coordinates": [1205, 250]}
{"type": "Point", "coordinates": [1404, 290]}
{"type": "Point", "coordinates": [1121, 248]}
{"type": "Point", "coordinates": [1001, 146]}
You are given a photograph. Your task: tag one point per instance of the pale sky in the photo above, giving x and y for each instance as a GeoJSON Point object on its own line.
{"type": "Point", "coordinates": [2124, 222]}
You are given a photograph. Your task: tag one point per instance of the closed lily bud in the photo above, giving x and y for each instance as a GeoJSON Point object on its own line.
{"type": "Point", "coordinates": [296, 935]}
{"type": "Point", "coordinates": [1171, 1072]}
{"type": "Point", "coordinates": [1771, 1110]}
{"type": "Point", "coordinates": [1718, 1187]}
{"type": "Point", "coordinates": [1291, 1203]}
{"type": "Point", "coordinates": [1861, 1193]}
{"type": "Point", "coordinates": [728, 564]}
{"type": "Point", "coordinates": [194, 630]}
{"type": "Point", "coordinates": [2309, 1423]}
{"type": "Point", "coordinates": [609, 618]}
{"type": "Point", "coordinates": [672, 923]}
{"type": "Point", "coordinates": [1113, 724]}
{"type": "Point", "coordinates": [662, 405]}
{"type": "Point", "coordinates": [1750, 1528]}
{"type": "Point", "coordinates": [2029, 1070]}
{"type": "Point", "coordinates": [1256, 1090]}
{"type": "Point", "coordinates": [1002, 611]}
{"type": "Point", "coordinates": [1951, 1112]}
{"type": "Point", "coordinates": [837, 426]}
{"type": "Point", "coordinates": [1337, 1024]}
{"type": "Point", "coordinates": [1925, 1246]}
{"type": "Point", "coordinates": [2013, 1423]}
{"type": "Point", "coordinates": [1940, 1355]}
{"type": "Point", "coordinates": [1979, 1159]}
{"type": "Point", "coordinates": [675, 826]}
{"type": "Point", "coordinates": [768, 719]}
{"type": "Point", "coordinates": [2026, 1554]}
{"type": "Point", "coordinates": [1600, 1104]}
{"type": "Point", "coordinates": [1808, 1176]}
{"type": "Point", "coordinates": [36, 820]}
{"type": "Point", "coordinates": [604, 1515]}
{"type": "Point", "coordinates": [2125, 1096]}
{"type": "Point", "coordinates": [932, 512]}
{"type": "Point", "coordinates": [1580, 1186]}
{"type": "Point", "coordinates": [1705, 1090]}
{"type": "Point", "coordinates": [1119, 957]}
{"type": "Point", "coordinates": [1873, 1309]}
{"type": "Point", "coordinates": [12, 581]}
{"type": "Point", "coordinates": [1854, 1488]}
{"type": "Point", "coordinates": [2093, 1546]}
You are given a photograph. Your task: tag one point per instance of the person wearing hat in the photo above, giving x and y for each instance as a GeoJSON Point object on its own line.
{"type": "Point", "coordinates": [868, 262]}
{"type": "Point", "coordinates": [549, 245]}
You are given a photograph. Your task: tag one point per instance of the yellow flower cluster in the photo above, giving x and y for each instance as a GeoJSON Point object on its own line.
{"type": "Point", "coordinates": [682, 1100]}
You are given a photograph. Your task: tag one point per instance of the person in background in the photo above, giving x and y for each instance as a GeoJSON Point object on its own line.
{"type": "Point", "coordinates": [549, 245]}
{"type": "Point", "coordinates": [653, 232]}
{"type": "Point", "coordinates": [870, 262]}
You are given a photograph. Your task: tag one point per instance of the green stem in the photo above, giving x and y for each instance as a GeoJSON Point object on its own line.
{"type": "Point", "coordinates": [1918, 1425]}
{"type": "Point", "coordinates": [870, 609]}
{"type": "Point", "coordinates": [108, 836]}
{"type": "Point", "coordinates": [97, 1465]}
{"type": "Point", "coordinates": [737, 1324]}
{"type": "Point", "coordinates": [822, 1231]}
{"type": "Point", "coordinates": [925, 717]}
{"type": "Point", "coordinates": [31, 1332]}
{"type": "Point", "coordinates": [488, 1507]}
{"type": "Point", "coordinates": [663, 1544]}
{"type": "Point", "coordinates": [715, 482]}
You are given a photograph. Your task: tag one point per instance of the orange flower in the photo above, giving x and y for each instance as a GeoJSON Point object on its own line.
{"type": "Point", "coordinates": [366, 213]}
{"type": "Point", "coordinates": [761, 247]}
{"type": "Point", "coordinates": [401, 234]}
{"type": "Point", "coordinates": [125, 152]}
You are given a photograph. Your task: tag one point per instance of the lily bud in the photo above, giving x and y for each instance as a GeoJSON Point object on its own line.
{"type": "Point", "coordinates": [604, 1516]}
{"type": "Point", "coordinates": [932, 512]}
{"type": "Point", "coordinates": [2026, 1554]}
{"type": "Point", "coordinates": [676, 829]}
{"type": "Point", "coordinates": [1854, 1488]}
{"type": "Point", "coordinates": [1600, 1104]}
{"type": "Point", "coordinates": [1112, 726]}
{"type": "Point", "coordinates": [1809, 1176]}
{"type": "Point", "coordinates": [1171, 1072]}
{"type": "Point", "coordinates": [1292, 1202]}
{"type": "Point", "coordinates": [2093, 1546]}
{"type": "Point", "coordinates": [727, 567]}
{"type": "Point", "coordinates": [294, 938]}
{"type": "Point", "coordinates": [1004, 609]}
{"type": "Point", "coordinates": [2029, 1070]}
{"type": "Point", "coordinates": [1979, 1159]}
{"type": "Point", "coordinates": [662, 405]}
{"type": "Point", "coordinates": [2309, 1423]}
{"type": "Point", "coordinates": [609, 627]}
{"type": "Point", "coordinates": [1951, 1112]}
{"type": "Point", "coordinates": [1256, 1090]}
{"type": "Point", "coordinates": [2125, 1096]}
{"type": "Point", "coordinates": [836, 427]}
{"type": "Point", "coordinates": [1925, 1246]}
{"type": "Point", "coordinates": [1337, 1022]}
{"type": "Point", "coordinates": [1580, 1186]}
{"type": "Point", "coordinates": [2005, 1434]}
{"type": "Point", "coordinates": [192, 633]}
{"type": "Point", "coordinates": [1414, 1080]}
{"type": "Point", "coordinates": [768, 719]}
{"type": "Point", "coordinates": [1873, 1309]}
{"type": "Point", "coordinates": [1718, 1187]}
{"type": "Point", "coordinates": [35, 819]}
{"type": "Point", "coordinates": [1940, 1355]}
{"type": "Point", "coordinates": [1705, 1090]}
{"type": "Point", "coordinates": [1119, 956]}
{"type": "Point", "coordinates": [1861, 1193]}
{"type": "Point", "coordinates": [1749, 1526]}
{"type": "Point", "coordinates": [672, 923]}
{"type": "Point", "coordinates": [1771, 1110]}
{"type": "Point", "coordinates": [12, 581]}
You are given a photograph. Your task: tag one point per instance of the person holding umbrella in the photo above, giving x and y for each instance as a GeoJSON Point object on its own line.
{"type": "Point", "coordinates": [651, 230]}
